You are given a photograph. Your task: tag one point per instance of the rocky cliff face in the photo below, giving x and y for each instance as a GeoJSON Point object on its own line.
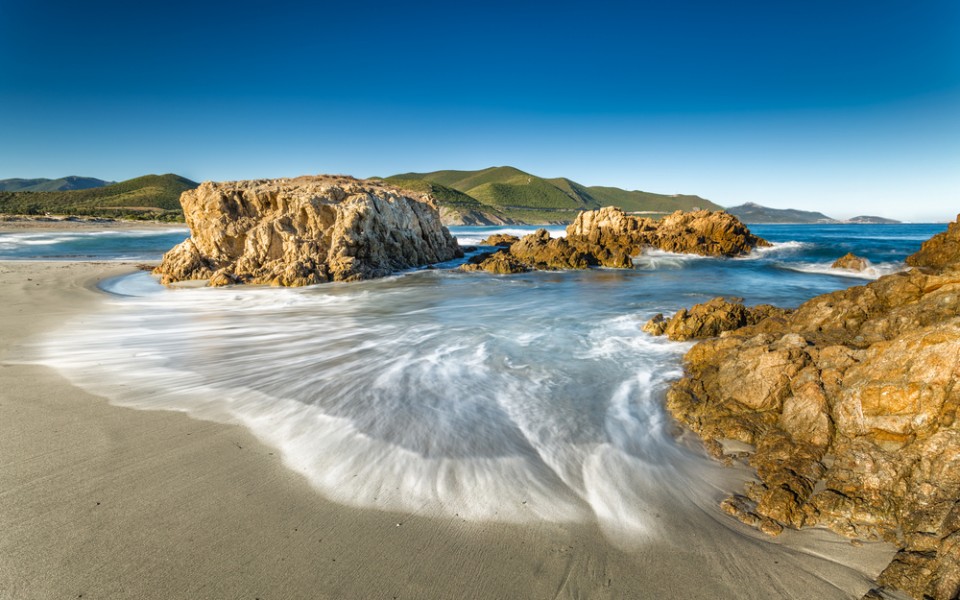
{"type": "Point", "coordinates": [851, 403]}
{"type": "Point", "coordinates": [609, 237]}
{"type": "Point", "coordinates": [303, 231]}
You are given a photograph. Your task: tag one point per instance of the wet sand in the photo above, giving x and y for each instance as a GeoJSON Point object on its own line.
{"type": "Point", "coordinates": [99, 501]}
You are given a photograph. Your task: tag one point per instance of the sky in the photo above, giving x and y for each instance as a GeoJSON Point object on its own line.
{"type": "Point", "coordinates": [847, 107]}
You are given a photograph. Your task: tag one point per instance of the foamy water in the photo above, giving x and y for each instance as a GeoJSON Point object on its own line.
{"type": "Point", "coordinates": [472, 236]}
{"type": "Point", "coordinates": [521, 400]}
{"type": "Point", "coordinates": [515, 399]}
{"type": "Point", "coordinates": [427, 392]}
{"type": "Point", "coordinates": [871, 271]}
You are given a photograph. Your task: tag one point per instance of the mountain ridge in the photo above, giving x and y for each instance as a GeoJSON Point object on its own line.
{"type": "Point", "coordinates": [507, 194]}
{"type": "Point", "coordinates": [61, 184]}
{"type": "Point", "coordinates": [500, 195]}
{"type": "Point", "coordinates": [149, 196]}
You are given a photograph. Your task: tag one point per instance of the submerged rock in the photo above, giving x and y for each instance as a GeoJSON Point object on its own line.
{"type": "Point", "coordinates": [609, 237]}
{"type": "Point", "coordinates": [851, 262]}
{"type": "Point", "coordinates": [852, 404]}
{"type": "Point", "coordinates": [303, 231]}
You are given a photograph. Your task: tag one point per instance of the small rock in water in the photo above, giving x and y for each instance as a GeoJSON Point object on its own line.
{"type": "Point", "coordinates": [851, 262]}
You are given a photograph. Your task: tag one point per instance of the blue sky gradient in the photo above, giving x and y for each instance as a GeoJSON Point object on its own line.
{"type": "Point", "coordinates": [844, 107]}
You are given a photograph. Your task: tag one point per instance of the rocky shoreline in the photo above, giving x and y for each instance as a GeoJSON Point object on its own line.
{"type": "Point", "coordinates": [850, 404]}
{"type": "Point", "coordinates": [609, 237]}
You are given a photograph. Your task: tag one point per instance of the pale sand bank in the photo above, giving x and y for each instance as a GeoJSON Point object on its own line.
{"type": "Point", "coordinates": [110, 502]}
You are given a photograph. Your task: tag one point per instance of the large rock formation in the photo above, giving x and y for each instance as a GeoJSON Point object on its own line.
{"type": "Point", "coordinates": [609, 237]}
{"type": "Point", "coordinates": [851, 403]}
{"type": "Point", "coordinates": [303, 231]}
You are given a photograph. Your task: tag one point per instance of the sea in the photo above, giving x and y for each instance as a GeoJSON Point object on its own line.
{"type": "Point", "coordinates": [507, 398]}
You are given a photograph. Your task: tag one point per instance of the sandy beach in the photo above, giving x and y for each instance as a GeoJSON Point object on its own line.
{"type": "Point", "coordinates": [100, 501]}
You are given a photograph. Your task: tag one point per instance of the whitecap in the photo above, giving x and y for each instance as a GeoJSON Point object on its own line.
{"type": "Point", "coordinates": [871, 272]}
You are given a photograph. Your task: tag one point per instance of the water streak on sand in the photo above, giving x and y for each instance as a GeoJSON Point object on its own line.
{"type": "Point", "coordinates": [425, 392]}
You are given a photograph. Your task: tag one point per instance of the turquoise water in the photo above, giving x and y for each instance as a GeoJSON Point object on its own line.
{"type": "Point", "coordinates": [524, 398]}
{"type": "Point", "coordinates": [87, 245]}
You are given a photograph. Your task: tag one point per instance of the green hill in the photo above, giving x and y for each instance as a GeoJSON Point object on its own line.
{"type": "Point", "coordinates": [637, 201]}
{"type": "Point", "coordinates": [444, 194]}
{"type": "Point", "coordinates": [512, 194]}
{"type": "Point", "coordinates": [71, 182]}
{"type": "Point", "coordinates": [150, 196]}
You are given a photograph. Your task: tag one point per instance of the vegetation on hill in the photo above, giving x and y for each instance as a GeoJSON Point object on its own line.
{"type": "Point", "coordinates": [637, 201]}
{"type": "Point", "coordinates": [510, 193]}
{"type": "Point", "coordinates": [444, 194]}
{"type": "Point", "coordinates": [754, 213]}
{"type": "Point", "coordinates": [71, 182]}
{"type": "Point", "coordinates": [147, 197]}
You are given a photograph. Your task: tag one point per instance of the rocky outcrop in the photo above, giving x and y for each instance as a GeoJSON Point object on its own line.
{"type": "Point", "coordinates": [851, 262]}
{"type": "Point", "coordinates": [303, 231]}
{"type": "Point", "coordinates": [710, 319]}
{"type": "Point", "coordinates": [498, 263]}
{"type": "Point", "coordinates": [504, 240]}
{"type": "Point", "coordinates": [851, 403]}
{"type": "Point", "coordinates": [939, 252]}
{"type": "Point", "coordinates": [609, 237]}
{"type": "Point", "coordinates": [699, 232]}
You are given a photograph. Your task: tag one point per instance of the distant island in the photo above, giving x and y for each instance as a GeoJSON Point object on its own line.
{"type": "Point", "coordinates": [492, 196]}
{"type": "Point", "coordinates": [754, 214]}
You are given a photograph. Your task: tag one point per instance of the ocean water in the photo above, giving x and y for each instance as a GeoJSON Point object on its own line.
{"type": "Point", "coordinates": [90, 244]}
{"type": "Point", "coordinates": [516, 399]}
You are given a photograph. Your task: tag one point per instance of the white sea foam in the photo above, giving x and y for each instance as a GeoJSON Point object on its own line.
{"type": "Point", "coordinates": [776, 249]}
{"type": "Point", "coordinates": [872, 270]}
{"type": "Point", "coordinates": [513, 401]}
{"type": "Point", "coordinates": [393, 399]}
{"type": "Point", "coordinates": [472, 237]}
{"type": "Point", "coordinates": [653, 259]}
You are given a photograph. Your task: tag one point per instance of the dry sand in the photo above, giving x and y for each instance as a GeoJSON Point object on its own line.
{"type": "Point", "coordinates": [98, 501]}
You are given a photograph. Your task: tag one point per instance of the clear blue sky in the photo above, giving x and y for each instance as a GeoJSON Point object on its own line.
{"type": "Point", "coordinates": [848, 107]}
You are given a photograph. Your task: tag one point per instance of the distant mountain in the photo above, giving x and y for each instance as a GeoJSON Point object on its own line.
{"type": "Point", "coordinates": [150, 196]}
{"type": "Point", "coordinates": [507, 194]}
{"type": "Point", "coordinates": [71, 182]}
{"type": "Point", "coordinates": [869, 220]}
{"type": "Point", "coordinates": [754, 213]}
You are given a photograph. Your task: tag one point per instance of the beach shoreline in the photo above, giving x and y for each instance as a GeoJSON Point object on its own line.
{"type": "Point", "coordinates": [14, 224]}
{"type": "Point", "coordinates": [111, 502]}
